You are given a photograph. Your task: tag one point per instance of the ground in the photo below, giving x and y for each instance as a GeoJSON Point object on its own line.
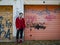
{"type": "Point", "coordinates": [41, 42]}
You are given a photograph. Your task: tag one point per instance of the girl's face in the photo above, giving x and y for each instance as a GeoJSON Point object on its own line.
{"type": "Point", "coordinates": [20, 15]}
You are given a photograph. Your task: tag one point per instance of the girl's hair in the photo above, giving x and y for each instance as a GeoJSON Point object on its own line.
{"type": "Point", "coordinates": [20, 13]}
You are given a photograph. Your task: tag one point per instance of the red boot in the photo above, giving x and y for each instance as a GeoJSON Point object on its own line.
{"type": "Point", "coordinates": [20, 40]}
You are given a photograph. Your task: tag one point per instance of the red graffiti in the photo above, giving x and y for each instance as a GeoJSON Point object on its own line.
{"type": "Point", "coordinates": [50, 17]}
{"type": "Point", "coordinates": [30, 19]}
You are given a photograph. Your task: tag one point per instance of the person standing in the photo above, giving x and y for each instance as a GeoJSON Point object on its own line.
{"type": "Point", "coordinates": [20, 26]}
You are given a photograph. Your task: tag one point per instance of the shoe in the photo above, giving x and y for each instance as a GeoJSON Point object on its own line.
{"type": "Point", "coordinates": [21, 41]}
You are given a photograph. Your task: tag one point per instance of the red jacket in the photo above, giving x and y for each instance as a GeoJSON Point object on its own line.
{"type": "Point", "coordinates": [20, 23]}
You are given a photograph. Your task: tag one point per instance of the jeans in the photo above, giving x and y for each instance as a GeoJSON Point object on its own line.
{"type": "Point", "coordinates": [19, 33]}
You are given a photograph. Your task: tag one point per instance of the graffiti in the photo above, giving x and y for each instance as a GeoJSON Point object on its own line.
{"type": "Point", "coordinates": [30, 19]}
{"type": "Point", "coordinates": [57, 10]}
{"type": "Point", "coordinates": [1, 18]}
{"type": "Point", "coordinates": [1, 26]}
{"type": "Point", "coordinates": [8, 23]}
{"type": "Point", "coordinates": [46, 11]}
{"type": "Point", "coordinates": [2, 31]}
{"type": "Point", "coordinates": [50, 17]}
{"type": "Point", "coordinates": [50, 14]}
{"type": "Point", "coordinates": [37, 26]}
{"type": "Point", "coordinates": [7, 34]}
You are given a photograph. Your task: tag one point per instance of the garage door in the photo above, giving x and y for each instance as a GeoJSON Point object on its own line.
{"type": "Point", "coordinates": [6, 19]}
{"type": "Point", "coordinates": [42, 22]}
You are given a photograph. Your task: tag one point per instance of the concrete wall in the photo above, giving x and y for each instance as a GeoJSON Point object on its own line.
{"type": "Point", "coordinates": [40, 2]}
